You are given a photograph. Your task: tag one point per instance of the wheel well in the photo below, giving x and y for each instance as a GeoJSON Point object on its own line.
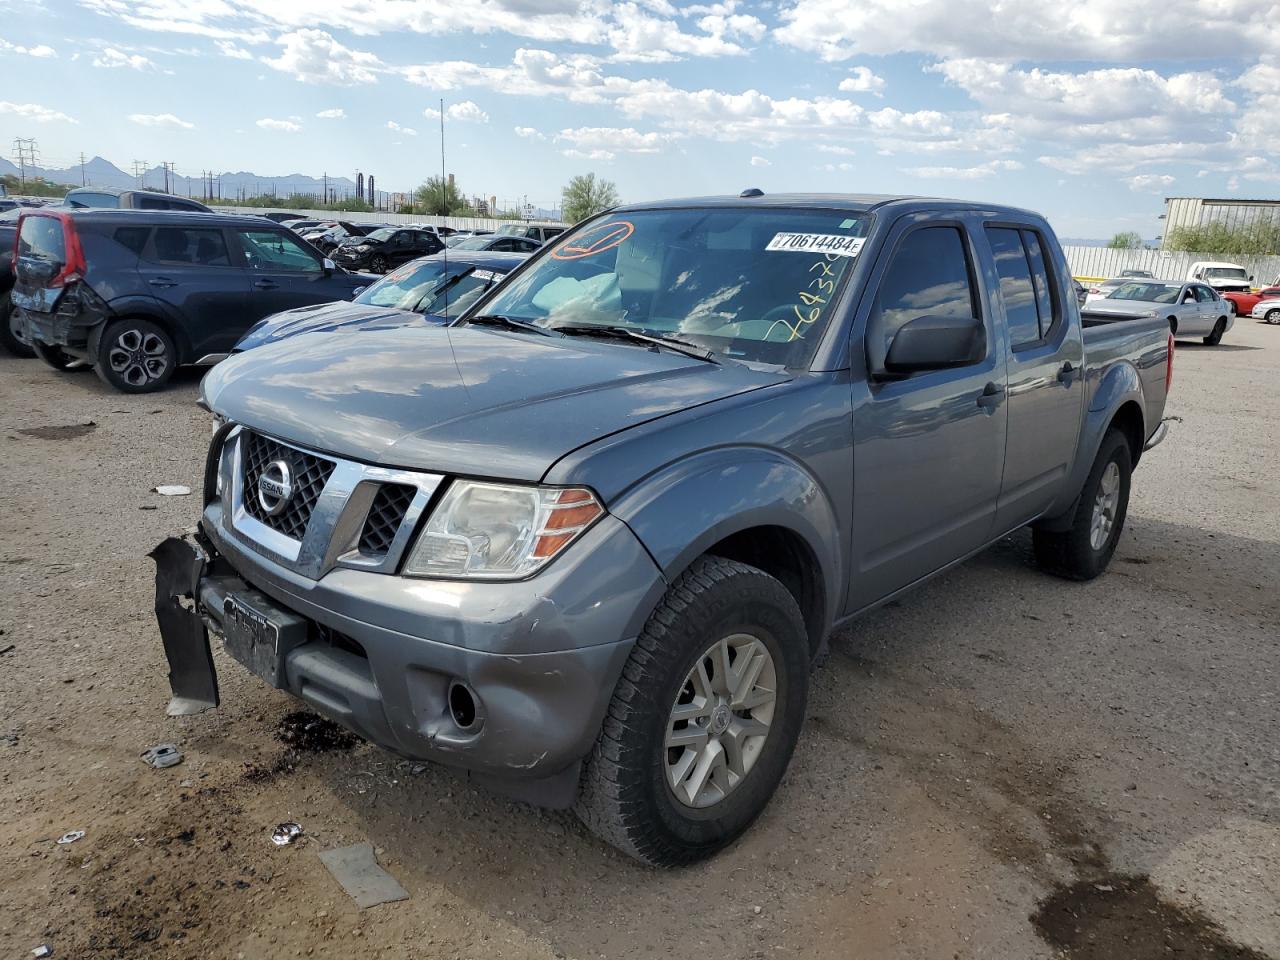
{"type": "Point", "coordinates": [1173, 324]}
{"type": "Point", "coordinates": [1128, 420]}
{"type": "Point", "coordinates": [175, 333]}
{"type": "Point", "coordinates": [784, 555]}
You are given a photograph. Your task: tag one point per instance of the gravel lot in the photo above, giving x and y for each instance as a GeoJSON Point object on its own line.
{"type": "Point", "coordinates": [1001, 765]}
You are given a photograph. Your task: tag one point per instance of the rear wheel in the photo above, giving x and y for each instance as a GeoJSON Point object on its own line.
{"type": "Point", "coordinates": [1219, 328]}
{"type": "Point", "coordinates": [704, 718]}
{"type": "Point", "coordinates": [136, 356]}
{"type": "Point", "coordinates": [13, 333]}
{"type": "Point", "coordinates": [1083, 551]}
{"type": "Point", "coordinates": [1273, 316]}
{"type": "Point", "coordinates": [56, 357]}
{"type": "Point", "coordinates": [378, 263]}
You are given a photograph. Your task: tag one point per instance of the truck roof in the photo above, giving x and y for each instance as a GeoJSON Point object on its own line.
{"type": "Point", "coordinates": [852, 202]}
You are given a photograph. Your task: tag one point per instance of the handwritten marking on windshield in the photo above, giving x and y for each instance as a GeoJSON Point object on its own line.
{"type": "Point", "coordinates": [596, 240]}
{"type": "Point", "coordinates": [813, 303]}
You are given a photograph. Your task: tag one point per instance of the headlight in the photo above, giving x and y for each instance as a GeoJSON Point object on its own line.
{"type": "Point", "coordinates": [492, 531]}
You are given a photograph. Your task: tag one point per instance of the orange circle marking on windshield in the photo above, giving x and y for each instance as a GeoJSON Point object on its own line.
{"type": "Point", "coordinates": [606, 237]}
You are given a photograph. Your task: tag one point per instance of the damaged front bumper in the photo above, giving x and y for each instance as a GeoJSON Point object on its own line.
{"type": "Point", "coordinates": [534, 713]}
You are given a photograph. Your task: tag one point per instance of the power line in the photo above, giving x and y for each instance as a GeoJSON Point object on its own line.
{"type": "Point", "coordinates": [140, 172]}
{"type": "Point", "coordinates": [82, 178]}
{"type": "Point", "coordinates": [25, 153]}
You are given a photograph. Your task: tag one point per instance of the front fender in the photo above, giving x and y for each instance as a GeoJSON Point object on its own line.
{"type": "Point", "coordinates": [685, 508]}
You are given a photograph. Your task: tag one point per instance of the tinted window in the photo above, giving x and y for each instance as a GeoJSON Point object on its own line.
{"type": "Point", "coordinates": [385, 234]}
{"type": "Point", "coordinates": [185, 245]}
{"type": "Point", "coordinates": [1042, 278]}
{"type": "Point", "coordinates": [152, 203]}
{"type": "Point", "coordinates": [187, 205]}
{"type": "Point", "coordinates": [86, 198]}
{"type": "Point", "coordinates": [929, 275]}
{"type": "Point", "coordinates": [42, 238]}
{"type": "Point", "coordinates": [277, 250]}
{"type": "Point", "coordinates": [134, 238]}
{"type": "Point", "coordinates": [475, 243]}
{"type": "Point", "coordinates": [1016, 292]}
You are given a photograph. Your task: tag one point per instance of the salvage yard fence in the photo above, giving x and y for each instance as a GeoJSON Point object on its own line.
{"type": "Point", "coordinates": [1098, 263]}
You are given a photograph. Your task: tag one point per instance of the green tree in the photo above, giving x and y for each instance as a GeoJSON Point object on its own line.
{"type": "Point", "coordinates": [584, 196]}
{"type": "Point", "coordinates": [1129, 240]}
{"type": "Point", "coordinates": [439, 197]}
{"type": "Point", "coordinates": [1261, 238]}
{"type": "Point", "coordinates": [34, 187]}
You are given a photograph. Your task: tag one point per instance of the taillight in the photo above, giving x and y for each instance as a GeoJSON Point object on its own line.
{"type": "Point", "coordinates": [73, 269]}
{"type": "Point", "coordinates": [1168, 368]}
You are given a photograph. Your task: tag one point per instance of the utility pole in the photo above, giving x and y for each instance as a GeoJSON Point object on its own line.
{"type": "Point", "coordinates": [26, 153]}
{"type": "Point", "coordinates": [140, 172]}
{"type": "Point", "coordinates": [326, 189]}
{"type": "Point", "coordinates": [168, 169]}
{"type": "Point", "coordinates": [82, 181]}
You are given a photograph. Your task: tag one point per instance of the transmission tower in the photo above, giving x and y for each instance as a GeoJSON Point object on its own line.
{"type": "Point", "coordinates": [26, 153]}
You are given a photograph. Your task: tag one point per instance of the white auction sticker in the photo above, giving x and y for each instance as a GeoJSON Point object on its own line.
{"type": "Point", "coordinates": [485, 274]}
{"type": "Point", "coordinates": [831, 243]}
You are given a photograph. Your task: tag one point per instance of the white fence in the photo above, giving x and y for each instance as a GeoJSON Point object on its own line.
{"type": "Point", "coordinates": [458, 223]}
{"type": "Point", "coordinates": [1100, 262]}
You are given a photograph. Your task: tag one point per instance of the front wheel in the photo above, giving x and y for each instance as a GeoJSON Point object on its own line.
{"type": "Point", "coordinates": [13, 332]}
{"type": "Point", "coordinates": [1083, 551]}
{"type": "Point", "coordinates": [704, 718]}
{"type": "Point", "coordinates": [378, 263]}
{"type": "Point", "coordinates": [1273, 316]}
{"type": "Point", "coordinates": [1215, 337]}
{"type": "Point", "coordinates": [136, 356]}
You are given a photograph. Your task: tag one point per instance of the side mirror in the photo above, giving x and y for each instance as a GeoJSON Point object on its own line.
{"type": "Point", "coordinates": [934, 343]}
{"type": "Point", "coordinates": [356, 291]}
{"type": "Point", "coordinates": [329, 267]}
{"type": "Point", "coordinates": [1251, 278]}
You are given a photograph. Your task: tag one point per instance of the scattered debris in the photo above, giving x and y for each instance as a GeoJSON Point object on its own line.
{"type": "Point", "coordinates": [308, 733]}
{"type": "Point", "coordinates": [356, 869]}
{"type": "Point", "coordinates": [286, 833]}
{"type": "Point", "coordinates": [162, 755]}
{"type": "Point", "coordinates": [172, 490]}
{"type": "Point", "coordinates": [44, 950]}
{"type": "Point", "coordinates": [71, 837]}
{"type": "Point", "coordinates": [66, 431]}
{"type": "Point", "coordinates": [148, 506]}
{"type": "Point", "coordinates": [7, 649]}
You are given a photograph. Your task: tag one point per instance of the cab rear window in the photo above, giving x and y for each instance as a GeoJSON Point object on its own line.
{"type": "Point", "coordinates": [42, 238]}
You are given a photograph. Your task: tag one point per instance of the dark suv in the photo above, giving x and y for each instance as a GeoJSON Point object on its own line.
{"type": "Point", "coordinates": [111, 198]}
{"type": "Point", "coordinates": [386, 248]}
{"type": "Point", "coordinates": [138, 293]}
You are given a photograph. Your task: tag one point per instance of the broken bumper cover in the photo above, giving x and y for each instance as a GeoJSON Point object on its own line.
{"type": "Point", "coordinates": [538, 712]}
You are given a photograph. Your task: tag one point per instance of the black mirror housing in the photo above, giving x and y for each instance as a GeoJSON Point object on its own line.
{"type": "Point", "coordinates": [934, 343]}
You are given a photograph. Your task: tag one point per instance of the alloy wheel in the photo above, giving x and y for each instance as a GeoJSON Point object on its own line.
{"type": "Point", "coordinates": [1104, 506]}
{"type": "Point", "coordinates": [138, 357]}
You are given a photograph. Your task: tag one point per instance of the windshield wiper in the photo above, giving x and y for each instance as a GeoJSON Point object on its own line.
{"type": "Point", "coordinates": [511, 323]}
{"type": "Point", "coordinates": [627, 333]}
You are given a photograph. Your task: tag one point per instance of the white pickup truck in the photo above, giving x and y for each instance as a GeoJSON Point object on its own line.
{"type": "Point", "coordinates": [1223, 277]}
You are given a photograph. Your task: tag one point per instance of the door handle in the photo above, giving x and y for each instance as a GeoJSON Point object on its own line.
{"type": "Point", "coordinates": [162, 282]}
{"type": "Point", "coordinates": [1066, 373]}
{"type": "Point", "coordinates": [265, 285]}
{"type": "Point", "coordinates": [991, 395]}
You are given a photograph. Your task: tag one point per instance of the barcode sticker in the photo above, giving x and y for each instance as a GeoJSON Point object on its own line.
{"type": "Point", "coordinates": [831, 243]}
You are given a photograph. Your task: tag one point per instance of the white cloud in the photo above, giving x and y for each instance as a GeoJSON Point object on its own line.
{"type": "Point", "coordinates": [842, 167]}
{"type": "Point", "coordinates": [1150, 182]}
{"type": "Point", "coordinates": [836, 149]}
{"type": "Point", "coordinates": [530, 133]}
{"type": "Point", "coordinates": [465, 111]}
{"type": "Point", "coordinates": [35, 112]}
{"type": "Point", "coordinates": [990, 168]}
{"type": "Point", "coordinates": [111, 58]}
{"type": "Point", "coordinates": [229, 49]}
{"type": "Point", "coordinates": [614, 139]}
{"type": "Point", "coordinates": [337, 113]}
{"type": "Point", "coordinates": [284, 126]}
{"type": "Point", "coordinates": [635, 35]}
{"type": "Point", "coordinates": [160, 120]}
{"type": "Point", "coordinates": [575, 154]}
{"type": "Point", "coordinates": [1091, 30]}
{"type": "Point", "coordinates": [862, 81]}
{"type": "Point", "coordinates": [407, 131]}
{"type": "Point", "coordinates": [313, 56]}
{"type": "Point", "coordinates": [761, 162]}
{"type": "Point", "coordinates": [41, 52]}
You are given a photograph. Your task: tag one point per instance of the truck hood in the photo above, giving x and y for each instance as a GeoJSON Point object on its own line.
{"type": "Point", "coordinates": [326, 317]}
{"type": "Point", "coordinates": [462, 400]}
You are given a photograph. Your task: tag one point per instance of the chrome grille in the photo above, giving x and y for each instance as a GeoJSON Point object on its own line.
{"type": "Point", "coordinates": [385, 517]}
{"type": "Point", "coordinates": [309, 472]}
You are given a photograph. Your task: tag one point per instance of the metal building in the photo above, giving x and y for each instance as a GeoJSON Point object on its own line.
{"type": "Point", "coordinates": [1231, 212]}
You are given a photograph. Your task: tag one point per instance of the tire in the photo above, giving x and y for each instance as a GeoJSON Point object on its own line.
{"type": "Point", "coordinates": [1084, 550]}
{"type": "Point", "coordinates": [378, 263]}
{"type": "Point", "coordinates": [641, 795]}
{"type": "Point", "coordinates": [1215, 337]}
{"type": "Point", "coordinates": [1173, 325]}
{"type": "Point", "coordinates": [13, 336]}
{"type": "Point", "coordinates": [57, 358]}
{"type": "Point", "coordinates": [136, 356]}
{"type": "Point", "coordinates": [1273, 316]}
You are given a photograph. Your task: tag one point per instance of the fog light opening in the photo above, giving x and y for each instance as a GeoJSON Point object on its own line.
{"type": "Point", "coordinates": [462, 705]}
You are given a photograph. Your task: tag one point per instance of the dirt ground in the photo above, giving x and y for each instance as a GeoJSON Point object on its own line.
{"type": "Point", "coordinates": [1000, 765]}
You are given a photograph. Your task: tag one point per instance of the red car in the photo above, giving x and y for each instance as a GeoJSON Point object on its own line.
{"type": "Point", "coordinates": [1242, 304]}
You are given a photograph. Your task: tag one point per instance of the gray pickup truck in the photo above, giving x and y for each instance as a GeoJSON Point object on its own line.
{"type": "Point", "coordinates": [587, 541]}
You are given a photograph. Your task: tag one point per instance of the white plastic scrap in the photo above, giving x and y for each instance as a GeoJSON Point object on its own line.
{"type": "Point", "coordinates": [172, 490]}
{"type": "Point", "coordinates": [44, 950]}
{"type": "Point", "coordinates": [162, 755]}
{"type": "Point", "coordinates": [286, 833]}
{"type": "Point", "coordinates": [71, 837]}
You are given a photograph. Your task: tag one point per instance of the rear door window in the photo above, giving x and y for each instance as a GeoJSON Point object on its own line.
{"type": "Point", "coordinates": [1025, 284]}
{"type": "Point", "coordinates": [132, 238]}
{"type": "Point", "coordinates": [152, 203]}
{"type": "Point", "coordinates": [198, 247]}
{"type": "Point", "coordinates": [1204, 294]}
{"type": "Point", "coordinates": [1042, 278]}
{"type": "Point", "coordinates": [42, 238]}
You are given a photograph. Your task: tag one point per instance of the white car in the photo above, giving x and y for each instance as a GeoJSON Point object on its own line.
{"type": "Point", "coordinates": [1103, 289]}
{"type": "Point", "coordinates": [1192, 309]}
{"type": "Point", "coordinates": [1268, 310]}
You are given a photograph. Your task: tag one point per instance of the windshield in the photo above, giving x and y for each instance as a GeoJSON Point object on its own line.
{"type": "Point", "coordinates": [1150, 292]}
{"type": "Point", "coordinates": [512, 230]}
{"type": "Point", "coordinates": [472, 243]}
{"type": "Point", "coordinates": [425, 287]}
{"type": "Point", "coordinates": [753, 284]}
{"type": "Point", "coordinates": [1226, 273]}
{"type": "Point", "coordinates": [382, 235]}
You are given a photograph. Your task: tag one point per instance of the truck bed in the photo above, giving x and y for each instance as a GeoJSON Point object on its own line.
{"type": "Point", "coordinates": [1144, 343]}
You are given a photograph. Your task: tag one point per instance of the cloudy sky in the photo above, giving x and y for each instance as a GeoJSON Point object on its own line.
{"type": "Point", "coordinates": [1088, 112]}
